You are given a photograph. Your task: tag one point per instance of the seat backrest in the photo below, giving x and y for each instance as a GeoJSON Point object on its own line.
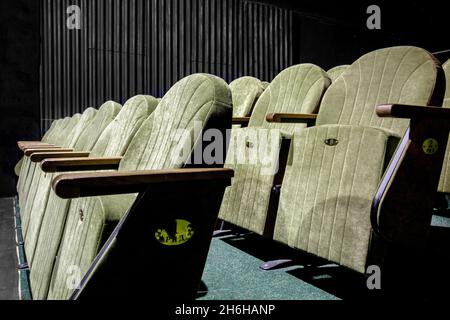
{"type": "Point", "coordinates": [54, 126]}
{"type": "Point", "coordinates": [94, 128]}
{"type": "Point", "coordinates": [403, 74]}
{"type": "Point", "coordinates": [245, 91]}
{"type": "Point", "coordinates": [116, 137]}
{"type": "Point", "coordinates": [297, 89]}
{"type": "Point", "coordinates": [187, 107]}
{"type": "Point", "coordinates": [55, 135]}
{"type": "Point", "coordinates": [86, 118]}
{"type": "Point", "coordinates": [444, 182]}
{"type": "Point", "coordinates": [335, 168]}
{"type": "Point", "coordinates": [446, 67]}
{"type": "Point", "coordinates": [65, 136]}
{"type": "Point", "coordinates": [335, 72]}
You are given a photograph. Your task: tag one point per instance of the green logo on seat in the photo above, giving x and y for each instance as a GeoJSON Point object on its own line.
{"type": "Point", "coordinates": [430, 146]}
{"type": "Point", "coordinates": [178, 233]}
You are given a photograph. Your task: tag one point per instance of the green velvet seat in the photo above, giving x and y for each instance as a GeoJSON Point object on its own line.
{"type": "Point", "coordinates": [335, 72]}
{"type": "Point", "coordinates": [34, 181]}
{"type": "Point", "coordinates": [113, 141]}
{"type": "Point", "coordinates": [335, 168]}
{"type": "Point", "coordinates": [51, 136]}
{"type": "Point", "coordinates": [27, 172]}
{"type": "Point", "coordinates": [191, 104]}
{"type": "Point", "coordinates": [297, 89]}
{"type": "Point", "coordinates": [444, 182]}
{"type": "Point", "coordinates": [245, 91]}
{"type": "Point", "coordinates": [46, 138]}
{"type": "Point", "coordinates": [41, 188]}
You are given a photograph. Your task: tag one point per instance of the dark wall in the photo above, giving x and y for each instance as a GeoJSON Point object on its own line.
{"type": "Point", "coordinates": [330, 33]}
{"type": "Point", "coordinates": [19, 83]}
{"type": "Point", "coordinates": [129, 47]}
{"type": "Point", "coordinates": [126, 47]}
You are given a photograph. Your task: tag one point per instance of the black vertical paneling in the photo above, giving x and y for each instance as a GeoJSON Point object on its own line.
{"type": "Point", "coordinates": [127, 47]}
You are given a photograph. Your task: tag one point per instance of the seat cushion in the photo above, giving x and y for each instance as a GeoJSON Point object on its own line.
{"type": "Point", "coordinates": [246, 201]}
{"type": "Point", "coordinates": [444, 182]}
{"type": "Point", "coordinates": [327, 192]}
{"type": "Point", "coordinates": [178, 119]}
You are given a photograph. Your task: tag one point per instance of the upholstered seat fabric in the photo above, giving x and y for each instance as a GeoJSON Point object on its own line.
{"type": "Point", "coordinates": [113, 141]}
{"type": "Point", "coordinates": [65, 139]}
{"type": "Point", "coordinates": [190, 103]}
{"type": "Point", "coordinates": [444, 182]}
{"type": "Point", "coordinates": [86, 137]}
{"type": "Point", "coordinates": [336, 166]}
{"type": "Point", "coordinates": [335, 72]}
{"type": "Point", "coordinates": [325, 211]}
{"type": "Point", "coordinates": [297, 89]}
{"type": "Point", "coordinates": [245, 91]}
{"type": "Point", "coordinates": [27, 168]}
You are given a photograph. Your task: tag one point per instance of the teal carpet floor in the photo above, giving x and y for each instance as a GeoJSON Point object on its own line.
{"type": "Point", "coordinates": [231, 274]}
{"type": "Point", "coordinates": [232, 271]}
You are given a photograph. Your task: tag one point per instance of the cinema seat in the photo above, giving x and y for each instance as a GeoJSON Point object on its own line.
{"type": "Point", "coordinates": [41, 187]}
{"type": "Point", "coordinates": [335, 72]}
{"type": "Point", "coordinates": [44, 142]}
{"type": "Point", "coordinates": [335, 202]}
{"type": "Point", "coordinates": [185, 199]}
{"type": "Point", "coordinates": [246, 203]}
{"type": "Point", "coordinates": [51, 137]}
{"type": "Point", "coordinates": [85, 134]}
{"type": "Point", "coordinates": [28, 167]}
{"type": "Point", "coordinates": [47, 135]}
{"type": "Point", "coordinates": [111, 145]}
{"type": "Point", "coordinates": [245, 91]}
{"type": "Point", "coordinates": [444, 182]}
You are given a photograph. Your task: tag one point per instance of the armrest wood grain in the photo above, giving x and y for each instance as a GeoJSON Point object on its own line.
{"type": "Point", "coordinates": [29, 144]}
{"type": "Point", "coordinates": [39, 146]}
{"type": "Point", "coordinates": [103, 183]}
{"type": "Point", "coordinates": [291, 118]}
{"type": "Point", "coordinates": [29, 141]}
{"type": "Point", "coordinates": [39, 156]}
{"type": "Point", "coordinates": [29, 152]}
{"type": "Point", "coordinates": [80, 164]}
{"type": "Point", "coordinates": [240, 120]}
{"type": "Point", "coordinates": [412, 112]}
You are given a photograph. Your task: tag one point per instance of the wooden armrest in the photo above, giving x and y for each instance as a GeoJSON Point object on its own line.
{"type": "Point", "coordinates": [38, 146]}
{"type": "Point", "coordinates": [291, 118]}
{"type": "Point", "coordinates": [29, 141]}
{"type": "Point", "coordinates": [412, 112]}
{"type": "Point", "coordinates": [240, 120]}
{"type": "Point", "coordinates": [80, 164]}
{"type": "Point", "coordinates": [26, 144]}
{"type": "Point", "coordinates": [104, 183]}
{"type": "Point", "coordinates": [39, 156]}
{"type": "Point", "coordinates": [29, 152]}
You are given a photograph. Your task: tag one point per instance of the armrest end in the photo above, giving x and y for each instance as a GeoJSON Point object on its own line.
{"type": "Point", "coordinates": [412, 112]}
{"type": "Point", "coordinates": [79, 164]}
{"type": "Point", "coordinates": [106, 183]}
{"type": "Point", "coordinates": [39, 156]}
{"type": "Point", "coordinates": [29, 152]}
